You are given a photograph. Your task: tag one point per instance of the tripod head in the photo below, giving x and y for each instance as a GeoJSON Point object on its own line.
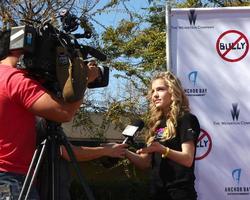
{"type": "Point", "coordinates": [46, 128]}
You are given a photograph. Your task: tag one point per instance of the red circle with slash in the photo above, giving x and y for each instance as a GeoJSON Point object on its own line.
{"type": "Point", "coordinates": [235, 46]}
{"type": "Point", "coordinates": [204, 135]}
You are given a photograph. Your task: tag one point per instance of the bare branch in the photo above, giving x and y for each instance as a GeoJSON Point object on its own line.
{"type": "Point", "coordinates": [131, 16]}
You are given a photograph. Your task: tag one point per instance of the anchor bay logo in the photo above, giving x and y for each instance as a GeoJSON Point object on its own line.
{"type": "Point", "coordinates": [236, 188]}
{"type": "Point", "coordinates": [195, 90]}
{"type": "Point", "coordinates": [236, 175]}
{"type": "Point", "coordinates": [235, 113]}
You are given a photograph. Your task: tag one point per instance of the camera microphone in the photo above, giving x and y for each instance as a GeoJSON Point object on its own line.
{"type": "Point", "coordinates": [130, 130]}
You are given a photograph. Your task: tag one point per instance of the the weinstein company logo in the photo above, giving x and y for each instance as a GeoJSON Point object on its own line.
{"type": "Point", "coordinates": [191, 22]}
{"type": "Point", "coordinates": [235, 112]}
{"type": "Point", "coordinates": [237, 188]}
{"type": "Point", "coordinates": [194, 90]}
{"type": "Point", "coordinates": [192, 17]}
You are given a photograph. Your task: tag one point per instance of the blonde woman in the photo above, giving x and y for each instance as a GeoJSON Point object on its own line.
{"type": "Point", "coordinates": [171, 141]}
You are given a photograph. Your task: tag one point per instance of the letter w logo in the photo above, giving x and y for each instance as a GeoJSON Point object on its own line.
{"type": "Point", "coordinates": [192, 17]}
{"type": "Point", "coordinates": [235, 112]}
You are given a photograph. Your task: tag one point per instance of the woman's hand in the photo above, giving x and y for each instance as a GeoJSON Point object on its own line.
{"type": "Point", "coordinates": [154, 147]}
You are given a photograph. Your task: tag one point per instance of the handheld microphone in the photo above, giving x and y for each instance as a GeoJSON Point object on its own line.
{"type": "Point", "coordinates": [131, 130]}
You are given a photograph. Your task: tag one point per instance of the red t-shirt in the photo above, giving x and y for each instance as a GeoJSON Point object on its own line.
{"type": "Point", "coordinates": [17, 124]}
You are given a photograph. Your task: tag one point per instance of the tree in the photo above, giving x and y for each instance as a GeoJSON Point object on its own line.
{"type": "Point", "coordinates": [135, 47]}
{"type": "Point", "coordinates": [13, 11]}
{"type": "Point", "coordinates": [211, 3]}
{"type": "Point", "coordinates": [137, 50]}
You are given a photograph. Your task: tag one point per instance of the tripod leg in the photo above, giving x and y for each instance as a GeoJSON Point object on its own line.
{"type": "Point", "coordinates": [54, 160]}
{"type": "Point", "coordinates": [78, 171]}
{"type": "Point", "coordinates": [35, 163]}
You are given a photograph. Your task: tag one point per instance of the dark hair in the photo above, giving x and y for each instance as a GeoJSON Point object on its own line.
{"type": "Point", "coordinates": [4, 44]}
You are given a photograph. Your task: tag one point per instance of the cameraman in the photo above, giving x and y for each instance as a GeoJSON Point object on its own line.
{"type": "Point", "coordinates": [82, 153]}
{"type": "Point", "coordinates": [21, 99]}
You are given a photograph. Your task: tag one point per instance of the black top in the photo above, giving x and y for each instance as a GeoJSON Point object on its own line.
{"type": "Point", "coordinates": [167, 173]}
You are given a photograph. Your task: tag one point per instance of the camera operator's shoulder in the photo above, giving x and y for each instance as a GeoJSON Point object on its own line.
{"type": "Point", "coordinates": [12, 76]}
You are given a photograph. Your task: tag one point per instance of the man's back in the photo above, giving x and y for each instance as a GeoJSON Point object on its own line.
{"type": "Point", "coordinates": [17, 124]}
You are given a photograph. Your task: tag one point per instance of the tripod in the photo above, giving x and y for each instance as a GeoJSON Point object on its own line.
{"type": "Point", "coordinates": [55, 137]}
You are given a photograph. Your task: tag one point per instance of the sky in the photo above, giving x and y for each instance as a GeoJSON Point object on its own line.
{"type": "Point", "coordinates": [119, 13]}
{"type": "Point", "coordinates": [112, 19]}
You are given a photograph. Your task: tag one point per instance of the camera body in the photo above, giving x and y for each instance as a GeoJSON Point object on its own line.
{"type": "Point", "coordinates": [22, 37]}
{"type": "Point", "coordinates": [39, 47]}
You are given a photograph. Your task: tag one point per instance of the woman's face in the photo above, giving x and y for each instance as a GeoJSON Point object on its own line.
{"type": "Point", "coordinates": [161, 98]}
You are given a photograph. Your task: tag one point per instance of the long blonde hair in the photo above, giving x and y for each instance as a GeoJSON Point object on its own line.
{"type": "Point", "coordinates": [179, 105]}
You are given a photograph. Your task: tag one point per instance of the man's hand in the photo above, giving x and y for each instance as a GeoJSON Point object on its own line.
{"type": "Point", "coordinates": [93, 71]}
{"type": "Point", "coordinates": [114, 150]}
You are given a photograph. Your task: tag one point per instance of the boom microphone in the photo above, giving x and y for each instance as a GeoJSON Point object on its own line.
{"type": "Point", "coordinates": [130, 130]}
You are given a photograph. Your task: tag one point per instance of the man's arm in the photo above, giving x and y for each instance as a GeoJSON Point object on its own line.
{"type": "Point", "coordinates": [54, 109]}
{"type": "Point", "coordinates": [90, 153]}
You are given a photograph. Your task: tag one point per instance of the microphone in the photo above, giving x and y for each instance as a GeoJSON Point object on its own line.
{"type": "Point", "coordinates": [130, 131]}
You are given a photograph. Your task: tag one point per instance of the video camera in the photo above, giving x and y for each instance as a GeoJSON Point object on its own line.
{"type": "Point", "coordinates": [48, 50]}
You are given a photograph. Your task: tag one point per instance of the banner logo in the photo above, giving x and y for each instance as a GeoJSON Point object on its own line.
{"type": "Point", "coordinates": [235, 112]}
{"type": "Point", "coordinates": [204, 145]}
{"type": "Point", "coordinates": [236, 175]}
{"type": "Point", "coordinates": [192, 17]}
{"type": "Point", "coordinates": [192, 77]}
{"type": "Point", "coordinates": [194, 90]}
{"type": "Point", "coordinates": [232, 46]}
{"type": "Point", "coordinates": [237, 188]}
{"type": "Point", "coordinates": [190, 23]}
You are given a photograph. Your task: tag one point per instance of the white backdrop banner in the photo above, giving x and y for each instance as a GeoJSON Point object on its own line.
{"type": "Point", "coordinates": [209, 51]}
